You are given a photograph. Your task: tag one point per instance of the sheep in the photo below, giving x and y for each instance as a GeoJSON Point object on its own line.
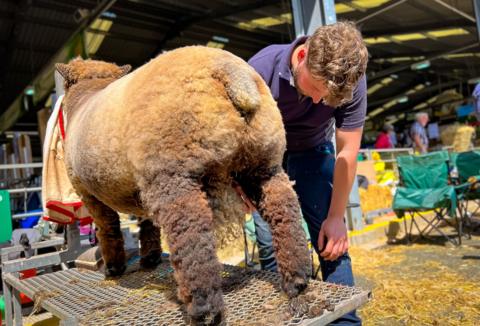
{"type": "Point", "coordinates": [165, 142]}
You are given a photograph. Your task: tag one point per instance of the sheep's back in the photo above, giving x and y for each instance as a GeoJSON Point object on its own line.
{"type": "Point", "coordinates": [173, 115]}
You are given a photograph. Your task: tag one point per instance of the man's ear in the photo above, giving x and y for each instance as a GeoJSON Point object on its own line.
{"type": "Point", "coordinates": [63, 69]}
{"type": "Point", "coordinates": [302, 53]}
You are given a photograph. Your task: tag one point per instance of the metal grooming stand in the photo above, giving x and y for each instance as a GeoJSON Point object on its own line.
{"type": "Point", "coordinates": [84, 297]}
{"type": "Point", "coordinates": [11, 269]}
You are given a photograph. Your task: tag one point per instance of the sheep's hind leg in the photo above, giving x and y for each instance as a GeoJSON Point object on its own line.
{"type": "Point", "coordinates": [280, 208]}
{"type": "Point", "coordinates": [150, 250]}
{"type": "Point", "coordinates": [109, 235]}
{"type": "Point", "coordinates": [182, 210]}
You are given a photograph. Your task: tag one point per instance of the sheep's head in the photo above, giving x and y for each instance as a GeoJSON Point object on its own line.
{"type": "Point", "coordinates": [79, 69]}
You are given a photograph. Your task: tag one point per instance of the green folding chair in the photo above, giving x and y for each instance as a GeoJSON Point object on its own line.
{"type": "Point", "coordinates": [467, 165]}
{"type": "Point", "coordinates": [5, 217]}
{"type": "Point", "coordinates": [424, 186]}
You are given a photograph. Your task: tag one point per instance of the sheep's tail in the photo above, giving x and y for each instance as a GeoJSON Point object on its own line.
{"type": "Point", "coordinates": [241, 87]}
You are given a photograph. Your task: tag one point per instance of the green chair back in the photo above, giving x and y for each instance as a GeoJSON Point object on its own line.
{"type": "Point", "coordinates": [468, 164]}
{"type": "Point", "coordinates": [5, 217]}
{"type": "Point", "coordinates": [424, 171]}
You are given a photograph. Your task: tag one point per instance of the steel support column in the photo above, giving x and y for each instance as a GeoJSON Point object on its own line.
{"type": "Point", "coordinates": [310, 14]}
{"type": "Point", "coordinates": [476, 6]}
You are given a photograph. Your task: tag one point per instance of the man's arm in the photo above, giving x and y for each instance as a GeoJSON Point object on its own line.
{"type": "Point", "coordinates": [334, 228]}
{"type": "Point", "coordinates": [418, 143]}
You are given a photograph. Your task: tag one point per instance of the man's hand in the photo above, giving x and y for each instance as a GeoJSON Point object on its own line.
{"type": "Point", "coordinates": [335, 231]}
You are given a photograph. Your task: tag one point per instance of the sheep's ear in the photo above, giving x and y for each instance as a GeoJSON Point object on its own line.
{"type": "Point", "coordinates": [63, 69]}
{"type": "Point", "coordinates": [125, 70]}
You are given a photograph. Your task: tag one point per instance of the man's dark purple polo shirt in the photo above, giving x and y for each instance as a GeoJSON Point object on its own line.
{"type": "Point", "coordinates": [307, 124]}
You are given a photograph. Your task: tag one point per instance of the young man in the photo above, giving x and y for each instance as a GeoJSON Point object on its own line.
{"type": "Point", "coordinates": [319, 85]}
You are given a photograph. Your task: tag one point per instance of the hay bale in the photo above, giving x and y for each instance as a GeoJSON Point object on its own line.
{"type": "Point", "coordinates": [375, 197]}
{"type": "Point", "coordinates": [458, 136]}
{"type": "Point", "coordinates": [463, 138]}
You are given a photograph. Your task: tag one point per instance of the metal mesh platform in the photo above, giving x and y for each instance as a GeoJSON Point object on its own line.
{"type": "Point", "coordinates": [148, 298]}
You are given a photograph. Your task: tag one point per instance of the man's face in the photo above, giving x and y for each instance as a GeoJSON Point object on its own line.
{"type": "Point", "coordinates": [424, 121]}
{"type": "Point", "coordinates": [307, 85]}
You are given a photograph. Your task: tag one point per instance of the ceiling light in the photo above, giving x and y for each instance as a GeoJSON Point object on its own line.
{"type": "Point", "coordinates": [458, 55]}
{"type": "Point", "coordinates": [376, 40]}
{"type": "Point", "coordinates": [420, 65]}
{"type": "Point", "coordinates": [431, 100]}
{"type": "Point", "coordinates": [390, 104]}
{"type": "Point", "coordinates": [220, 39]}
{"type": "Point", "coordinates": [448, 32]}
{"type": "Point", "coordinates": [267, 21]}
{"type": "Point", "coordinates": [341, 8]}
{"type": "Point", "coordinates": [374, 88]}
{"type": "Point", "coordinates": [415, 89]}
{"type": "Point", "coordinates": [287, 18]}
{"type": "Point", "coordinates": [376, 112]}
{"type": "Point", "coordinates": [109, 14]}
{"type": "Point", "coordinates": [93, 40]}
{"type": "Point", "coordinates": [30, 91]}
{"type": "Point", "coordinates": [217, 45]}
{"type": "Point", "coordinates": [420, 106]}
{"type": "Point", "coordinates": [408, 37]}
{"type": "Point", "coordinates": [386, 81]}
{"type": "Point", "coordinates": [368, 4]}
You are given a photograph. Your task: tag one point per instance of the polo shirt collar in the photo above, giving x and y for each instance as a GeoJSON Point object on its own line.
{"type": "Point", "coordinates": [285, 71]}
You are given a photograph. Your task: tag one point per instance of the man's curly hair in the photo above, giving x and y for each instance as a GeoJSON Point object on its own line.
{"type": "Point", "coordinates": [337, 55]}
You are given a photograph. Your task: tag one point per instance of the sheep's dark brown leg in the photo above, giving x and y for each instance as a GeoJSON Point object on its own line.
{"type": "Point", "coordinates": [280, 208]}
{"type": "Point", "coordinates": [181, 209]}
{"type": "Point", "coordinates": [109, 235]}
{"type": "Point", "coordinates": [150, 249]}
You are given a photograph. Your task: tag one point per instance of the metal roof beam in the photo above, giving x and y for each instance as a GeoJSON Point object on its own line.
{"type": "Point", "coordinates": [459, 23]}
{"type": "Point", "coordinates": [455, 10]}
{"type": "Point", "coordinates": [186, 21]}
{"type": "Point", "coordinates": [381, 9]}
{"type": "Point", "coordinates": [11, 42]}
{"type": "Point", "coordinates": [124, 16]}
{"type": "Point", "coordinates": [398, 68]}
{"type": "Point", "coordinates": [351, 4]}
{"type": "Point", "coordinates": [476, 8]}
{"type": "Point", "coordinates": [426, 90]}
{"type": "Point", "coordinates": [43, 83]}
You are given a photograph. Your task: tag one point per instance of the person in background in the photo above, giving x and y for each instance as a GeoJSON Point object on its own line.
{"type": "Point", "coordinates": [319, 85]}
{"type": "Point", "coordinates": [393, 137]}
{"type": "Point", "coordinates": [418, 133]}
{"type": "Point", "coordinates": [476, 103]}
{"type": "Point", "coordinates": [384, 139]}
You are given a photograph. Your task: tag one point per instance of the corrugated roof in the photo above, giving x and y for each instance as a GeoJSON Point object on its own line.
{"type": "Point", "coordinates": [30, 35]}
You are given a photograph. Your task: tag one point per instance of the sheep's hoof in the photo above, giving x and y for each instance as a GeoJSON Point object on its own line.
{"type": "Point", "coordinates": [293, 286]}
{"type": "Point", "coordinates": [151, 260]}
{"type": "Point", "coordinates": [113, 270]}
{"type": "Point", "coordinates": [209, 320]}
{"type": "Point", "coordinates": [206, 309]}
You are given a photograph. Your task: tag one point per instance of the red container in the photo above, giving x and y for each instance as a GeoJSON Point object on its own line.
{"type": "Point", "coordinates": [26, 274]}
